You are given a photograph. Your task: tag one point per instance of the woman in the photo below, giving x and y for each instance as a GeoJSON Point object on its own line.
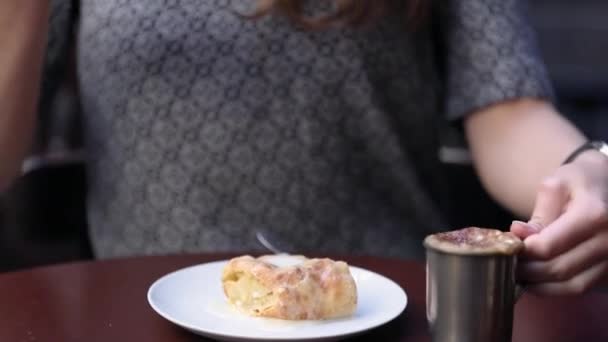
{"type": "Point", "coordinates": [314, 124]}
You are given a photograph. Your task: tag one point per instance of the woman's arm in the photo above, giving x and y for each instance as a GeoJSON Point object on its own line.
{"type": "Point", "coordinates": [515, 146]}
{"type": "Point", "coordinates": [518, 148]}
{"type": "Point", "coordinates": [23, 30]}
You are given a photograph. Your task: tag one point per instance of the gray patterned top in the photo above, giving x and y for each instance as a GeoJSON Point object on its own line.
{"type": "Point", "coordinates": [204, 127]}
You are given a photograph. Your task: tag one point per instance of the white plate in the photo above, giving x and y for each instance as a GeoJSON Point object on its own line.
{"type": "Point", "coordinates": [193, 298]}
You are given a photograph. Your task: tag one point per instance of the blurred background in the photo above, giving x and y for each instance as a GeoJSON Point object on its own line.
{"type": "Point", "coordinates": [574, 41]}
{"type": "Point", "coordinates": [42, 217]}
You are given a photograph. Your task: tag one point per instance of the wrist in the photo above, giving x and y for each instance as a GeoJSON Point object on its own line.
{"type": "Point", "coordinates": [591, 151]}
{"type": "Point", "coordinates": [591, 158]}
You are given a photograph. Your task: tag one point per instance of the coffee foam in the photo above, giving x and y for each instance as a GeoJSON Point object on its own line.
{"type": "Point", "coordinates": [475, 241]}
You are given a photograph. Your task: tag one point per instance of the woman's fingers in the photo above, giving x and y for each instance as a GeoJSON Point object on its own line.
{"type": "Point", "coordinates": [567, 265]}
{"type": "Point", "coordinates": [551, 199]}
{"type": "Point", "coordinates": [566, 240]}
{"type": "Point", "coordinates": [577, 285]}
{"type": "Point", "coordinates": [584, 218]}
{"type": "Point", "coordinates": [524, 229]}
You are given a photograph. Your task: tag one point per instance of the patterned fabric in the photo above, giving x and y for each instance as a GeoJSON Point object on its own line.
{"type": "Point", "coordinates": [204, 127]}
{"type": "Point", "coordinates": [492, 55]}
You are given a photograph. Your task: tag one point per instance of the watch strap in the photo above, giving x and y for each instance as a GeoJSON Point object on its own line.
{"type": "Point", "coordinates": [597, 145]}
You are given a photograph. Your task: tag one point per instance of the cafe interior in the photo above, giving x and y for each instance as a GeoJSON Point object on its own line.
{"type": "Point", "coordinates": [47, 261]}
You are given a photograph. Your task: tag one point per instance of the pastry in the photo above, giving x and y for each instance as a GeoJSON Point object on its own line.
{"type": "Point", "coordinates": [314, 289]}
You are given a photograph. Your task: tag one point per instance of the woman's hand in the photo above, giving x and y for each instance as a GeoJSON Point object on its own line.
{"type": "Point", "coordinates": [566, 240]}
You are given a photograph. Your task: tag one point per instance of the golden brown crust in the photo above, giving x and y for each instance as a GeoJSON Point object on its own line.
{"type": "Point", "coordinates": [312, 290]}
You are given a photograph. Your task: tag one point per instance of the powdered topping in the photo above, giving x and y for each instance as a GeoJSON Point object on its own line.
{"type": "Point", "coordinates": [475, 241]}
{"type": "Point", "coordinates": [310, 289]}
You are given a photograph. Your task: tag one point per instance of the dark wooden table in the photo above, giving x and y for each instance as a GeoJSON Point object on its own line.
{"type": "Point", "coordinates": [106, 301]}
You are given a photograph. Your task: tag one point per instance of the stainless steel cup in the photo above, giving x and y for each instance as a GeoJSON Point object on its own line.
{"type": "Point", "coordinates": [470, 298]}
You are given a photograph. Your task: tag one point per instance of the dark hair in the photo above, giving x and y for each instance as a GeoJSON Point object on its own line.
{"type": "Point", "coordinates": [347, 12]}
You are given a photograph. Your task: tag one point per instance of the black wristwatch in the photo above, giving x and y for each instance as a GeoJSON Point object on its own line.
{"type": "Point", "coordinates": [597, 145]}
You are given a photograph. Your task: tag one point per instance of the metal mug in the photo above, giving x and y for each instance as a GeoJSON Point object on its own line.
{"type": "Point", "coordinates": [470, 298]}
